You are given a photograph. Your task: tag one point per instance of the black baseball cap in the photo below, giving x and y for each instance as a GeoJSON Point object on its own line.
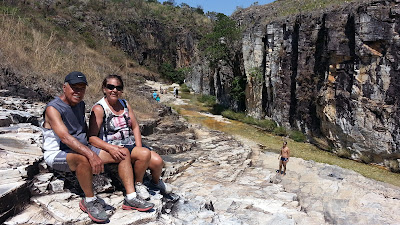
{"type": "Point", "coordinates": [75, 78]}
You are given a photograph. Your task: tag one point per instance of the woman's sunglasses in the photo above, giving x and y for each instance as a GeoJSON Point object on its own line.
{"type": "Point", "coordinates": [111, 87]}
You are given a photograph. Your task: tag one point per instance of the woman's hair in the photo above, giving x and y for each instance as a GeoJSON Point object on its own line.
{"type": "Point", "coordinates": [110, 77]}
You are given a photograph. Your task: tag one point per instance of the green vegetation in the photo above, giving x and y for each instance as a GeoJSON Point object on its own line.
{"type": "Point", "coordinates": [280, 131]}
{"type": "Point", "coordinates": [172, 74]}
{"type": "Point", "coordinates": [256, 73]}
{"type": "Point", "coordinates": [219, 44]}
{"type": "Point", "coordinates": [238, 88]}
{"type": "Point", "coordinates": [217, 109]}
{"type": "Point", "coordinates": [234, 115]}
{"type": "Point", "coordinates": [207, 100]}
{"type": "Point", "coordinates": [184, 88]}
{"type": "Point", "coordinates": [344, 153]}
{"type": "Point", "coordinates": [267, 125]}
{"type": "Point", "coordinates": [297, 136]}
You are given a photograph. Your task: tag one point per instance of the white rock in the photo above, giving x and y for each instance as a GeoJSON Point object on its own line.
{"type": "Point", "coordinates": [57, 186]}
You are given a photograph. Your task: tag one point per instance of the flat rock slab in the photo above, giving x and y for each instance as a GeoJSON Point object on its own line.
{"type": "Point", "coordinates": [63, 208]}
{"type": "Point", "coordinates": [23, 143]}
{"type": "Point", "coordinates": [7, 188]}
{"type": "Point", "coordinates": [19, 154]}
{"type": "Point", "coordinates": [13, 196]}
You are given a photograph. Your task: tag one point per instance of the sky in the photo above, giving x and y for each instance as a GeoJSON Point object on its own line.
{"type": "Point", "coordinates": [226, 7]}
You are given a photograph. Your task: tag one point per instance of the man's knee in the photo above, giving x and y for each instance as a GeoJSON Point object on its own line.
{"type": "Point", "coordinates": [77, 160]}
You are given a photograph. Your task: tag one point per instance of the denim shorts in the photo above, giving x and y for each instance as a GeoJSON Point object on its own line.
{"type": "Point", "coordinates": [60, 161]}
{"type": "Point", "coordinates": [130, 147]}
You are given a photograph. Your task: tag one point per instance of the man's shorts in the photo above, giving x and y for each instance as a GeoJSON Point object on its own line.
{"type": "Point", "coordinates": [130, 147]}
{"type": "Point", "coordinates": [284, 159]}
{"type": "Point", "coordinates": [60, 161]}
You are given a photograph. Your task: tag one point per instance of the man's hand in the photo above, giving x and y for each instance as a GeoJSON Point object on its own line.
{"type": "Point", "coordinates": [117, 153]}
{"type": "Point", "coordinates": [97, 164]}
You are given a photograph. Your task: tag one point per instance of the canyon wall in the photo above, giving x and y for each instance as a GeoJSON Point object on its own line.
{"type": "Point", "coordinates": [332, 74]}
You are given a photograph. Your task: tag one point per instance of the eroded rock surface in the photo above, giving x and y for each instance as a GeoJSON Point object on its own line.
{"type": "Point", "coordinates": [216, 179]}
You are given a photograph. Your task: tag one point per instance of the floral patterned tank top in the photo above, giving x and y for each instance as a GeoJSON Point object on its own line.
{"type": "Point", "coordinates": [116, 129]}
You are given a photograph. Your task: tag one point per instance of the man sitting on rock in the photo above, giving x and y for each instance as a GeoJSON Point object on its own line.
{"type": "Point", "coordinates": [66, 149]}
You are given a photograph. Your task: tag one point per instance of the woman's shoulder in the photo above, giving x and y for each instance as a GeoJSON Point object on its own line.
{"type": "Point", "coordinates": [101, 104]}
{"type": "Point", "coordinates": [100, 101]}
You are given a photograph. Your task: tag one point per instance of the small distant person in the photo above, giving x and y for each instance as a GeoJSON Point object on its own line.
{"type": "Point", "coordinates": [155, 94]}
{"type": "Point", "coordinates": [283, 158]}
{"type": "Point", "coordinates": [158, 98]}
{"type": "Point", "coordinates": [175, 92]}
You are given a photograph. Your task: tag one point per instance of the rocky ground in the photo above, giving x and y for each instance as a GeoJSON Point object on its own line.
{"type": "Point", "coordinates": [218, 179]}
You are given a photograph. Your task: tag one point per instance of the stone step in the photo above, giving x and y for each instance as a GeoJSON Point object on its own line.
{"type": "Point", "coordinates": [13, 197]}
{"type": "Point", "coordinates": [19, 163]}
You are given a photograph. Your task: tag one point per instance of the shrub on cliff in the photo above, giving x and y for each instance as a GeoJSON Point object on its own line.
{"type": "Point", "coordinates": [238, 88]}
{"type": "Point", "coordinates": [344, 153]}
{"type": "Point", "coordinates": [280, 131]}
{"type": "Point", "coordinates": [172, 74]}
{"type": "Point", "coordinates": [267, 125]}
{"type": "Point", "coordinates": [184, 88]}
{"type": "Point", "coordinates": [297, 136]}
{"type": "Point", "coordinates": [219, 44]}
{"type": "Point", "coordinates": [208, 100]}
{"type": "Point", "coordinates": [233, 115]}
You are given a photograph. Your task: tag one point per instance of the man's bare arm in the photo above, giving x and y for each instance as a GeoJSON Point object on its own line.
{"type": "Point", "coordinates": [53, 119]}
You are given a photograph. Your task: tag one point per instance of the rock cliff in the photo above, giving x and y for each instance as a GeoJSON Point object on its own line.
{"type": "Point", "coordinates": [331, 73]}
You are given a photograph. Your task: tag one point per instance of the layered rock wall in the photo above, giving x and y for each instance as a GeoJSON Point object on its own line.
{"type": "Point", "coordinates": [331, 73]}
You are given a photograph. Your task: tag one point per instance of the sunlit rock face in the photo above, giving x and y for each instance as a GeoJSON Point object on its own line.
{"type": "Point", "coordinates": [332, 74]}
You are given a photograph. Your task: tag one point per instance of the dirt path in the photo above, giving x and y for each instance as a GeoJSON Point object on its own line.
{"type": "Point", "coordinates": [168, 95]}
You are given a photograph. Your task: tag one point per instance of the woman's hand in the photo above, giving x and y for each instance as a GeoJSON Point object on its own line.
{"type": "Point", "coordinates": [117, 153]}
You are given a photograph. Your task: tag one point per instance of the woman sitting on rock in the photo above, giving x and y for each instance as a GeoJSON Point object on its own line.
{"type": "Point", "coordinates": [113, 127]}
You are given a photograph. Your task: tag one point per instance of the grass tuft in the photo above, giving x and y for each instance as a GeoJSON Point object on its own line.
{"type": "Point", "coordinates": [297, 136]}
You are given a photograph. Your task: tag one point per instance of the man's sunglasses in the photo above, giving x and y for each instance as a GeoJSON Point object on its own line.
{"type": "Point", "coordinates": [111, 87]}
